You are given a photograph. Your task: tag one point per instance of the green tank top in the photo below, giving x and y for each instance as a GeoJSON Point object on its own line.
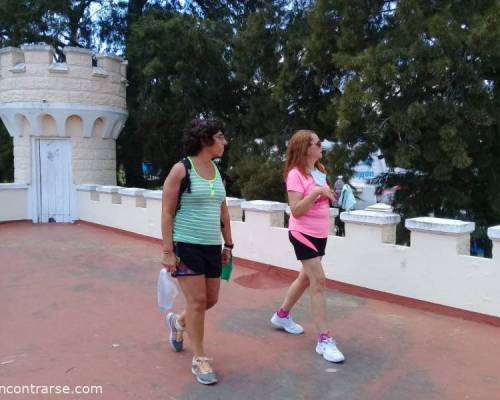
{"type": "Point", "coordinates": [198, 219]}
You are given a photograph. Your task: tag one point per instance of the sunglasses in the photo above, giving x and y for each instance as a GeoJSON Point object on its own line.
{"type": "Point", "coordinates": [318, 143]}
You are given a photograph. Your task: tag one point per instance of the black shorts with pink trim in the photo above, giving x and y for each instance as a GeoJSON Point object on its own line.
{"type": "Point", "coordinates": [307, 247]}
{"type": "Point", "coordinates": [198, 259]}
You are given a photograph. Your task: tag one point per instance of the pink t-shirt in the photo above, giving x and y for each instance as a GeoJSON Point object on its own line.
{"type": "Point", "coordinates": [315, 222]}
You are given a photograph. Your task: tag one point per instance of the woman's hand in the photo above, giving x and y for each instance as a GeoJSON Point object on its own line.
{"type": "Point", "coordinates": [325, 191]}
{"type": "Point", "coordinates": [226, 255]}
{"type": "Point", "coordinates": [169, 261]}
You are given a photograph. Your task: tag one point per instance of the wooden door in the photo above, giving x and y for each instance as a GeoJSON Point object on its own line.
{"type": "Point", "coordinates": [54, 178]}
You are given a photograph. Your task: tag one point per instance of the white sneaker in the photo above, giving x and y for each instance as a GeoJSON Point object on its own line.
{"type": "Point", "coordinates": [287, 323]}
{"type": "Point", "coordinates": [329, 350]}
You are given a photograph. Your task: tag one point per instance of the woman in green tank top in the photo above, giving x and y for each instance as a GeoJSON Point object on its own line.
{"type": "Point", "coordinates": [191, 229]}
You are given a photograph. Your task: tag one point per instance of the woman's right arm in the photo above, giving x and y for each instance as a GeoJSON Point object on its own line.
{"type": "Point", "coordinates": [300, 205]}
{"type": "Point", "coordinates": [170, 195]}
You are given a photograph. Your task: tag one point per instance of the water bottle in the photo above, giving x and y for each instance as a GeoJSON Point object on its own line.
{"type": "Point", "coordinates": [227, 269]}
{"type": "Point", "coordinates": [167, 290]}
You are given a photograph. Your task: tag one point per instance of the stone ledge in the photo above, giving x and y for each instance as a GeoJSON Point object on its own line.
{"type": "Point", "coordinates": [152, 194]}
{"type": "Point", "coordinates": [87, 187]}
{"type": "Point", "coordinates": [109, 56]}
{"type": "Point", "coordinates": [494, 232]}
{"type": "Point", "coordinates": [18, 68]}
{"type": "Point", "coordinates": [263, 206]}
{"type": "Point", "coordinates": [37, 47]}
{"type": "Point", "coordinates": [11, 49]}
{"type": "Point", "coordinates": [58, 68]}
{"type": "Point", "coordinates": [370, 217]}
{"type": "Point", "coordinates": [80, 50]}
{"type": "Point", "coordinates": [8, 186]}
{"type": "Point", "coordinates": [100, 72]}
{"type": "Point", "coordinates": [60, 111]}
{"type": "Point", "coordinates": [108, 189]}
{"type": "Point", "coordinates": [439, 225]}
{"type": "Point", "coordinates": [35, 55]}
{"type": "Point", "coordinates": [131, 191]}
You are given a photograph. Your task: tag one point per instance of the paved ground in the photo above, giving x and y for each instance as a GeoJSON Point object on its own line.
{"type": "Point", "coordinates": [77, 307]}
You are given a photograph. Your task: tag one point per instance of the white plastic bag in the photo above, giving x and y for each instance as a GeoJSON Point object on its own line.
{"type": "Point", "coordinates": [167, 290]}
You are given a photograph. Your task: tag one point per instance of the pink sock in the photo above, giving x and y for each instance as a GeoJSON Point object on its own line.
{"type": "Point", "coordinates": [323, 336]}
{"type": "Point", "coordinates": [282, 313]}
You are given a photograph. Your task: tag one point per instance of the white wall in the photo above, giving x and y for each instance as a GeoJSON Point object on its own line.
{"type": "Point", "coordinates": [133, 210]}
{"type": "Point", "coordinates": [434, 269]}
{"type": "Point", "coordinates": [13, 202]}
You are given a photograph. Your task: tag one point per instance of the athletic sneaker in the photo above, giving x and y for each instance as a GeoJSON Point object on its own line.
{"type": "Point", "coordinates": [287, 323]}
{"type": "Point", "coordinates": [329, 350]}
{"type": "Point", "coordinates": [203, 371]}
{"type": "Point", "coordinates": [175, 338]}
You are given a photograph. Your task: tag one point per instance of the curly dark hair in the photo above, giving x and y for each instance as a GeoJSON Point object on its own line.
{"type": "Point", "coordinates": [199, 133]}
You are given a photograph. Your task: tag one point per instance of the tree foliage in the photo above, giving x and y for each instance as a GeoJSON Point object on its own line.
{"type": "Point", "coordinates": [426, 93]}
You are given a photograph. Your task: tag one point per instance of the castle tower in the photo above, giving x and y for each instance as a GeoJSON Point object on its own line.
{"type": "Point", "coordinates": [64, 119]}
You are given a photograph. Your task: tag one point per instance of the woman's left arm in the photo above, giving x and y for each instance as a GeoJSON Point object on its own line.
{"type": "Point", "coordinates": [226, 232]}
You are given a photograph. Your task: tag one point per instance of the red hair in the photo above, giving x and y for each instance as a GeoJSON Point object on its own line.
{"type": "Point", "coordinates": [296, 153]}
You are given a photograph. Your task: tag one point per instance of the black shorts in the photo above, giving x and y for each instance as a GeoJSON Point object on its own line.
{"type": "Point", "coordinates": [305, 246]}
{"type": "Point", "coordinates": [198, 259]}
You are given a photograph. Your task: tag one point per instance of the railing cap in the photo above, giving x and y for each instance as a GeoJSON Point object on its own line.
{"type": "Point", "coordinates": [234, 201]}
{"type": "Point", "coordinates": [108, 189]}
{"type": "Point", "coordinates": [494, 232]}
{"type": "Point", "coordinates": [110, 56]}
{"type": "Point", "coordinates": [13, 185]}
{"type": "Point", "coordinates": [263, 206]}
{"type": "Point", "coordinates": [87, 187]}
{"type": "Point", "coordinates": [440, 225]}
{"type": "Point", "coordinates": [10, 49]}
{"type": "Point", "coordinates": [37, 47]}
{"type": "Point", "coordinates": [80, 50]}
{"type": "Point", "coordinates": [131, 191]}
{"type": "Point", "coordinates": [370, 217]}
{"type": "Point", "coordinates": [379, 207]}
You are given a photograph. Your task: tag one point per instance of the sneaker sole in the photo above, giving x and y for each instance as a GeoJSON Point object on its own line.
{"type": "Point", "coordinates": [284, 329]}
{"type": "Point", "coordinates": [336, 362]}
{"type": "Point", "coordinates": [171, 337]}
{"type": "Point", "coordinates": [202, 381]}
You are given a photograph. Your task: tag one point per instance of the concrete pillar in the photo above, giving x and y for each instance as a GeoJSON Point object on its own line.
{"type": "Point", "coordinates": [234, 206]}
{"type": "Point", "coordinates": [262, 213]}
{"type": "Point", "coordinates": [445, 236]}
{"type": "Point", "coordinates": [494, 235]}
{"type": "Point", "coordinates": [367, 226]}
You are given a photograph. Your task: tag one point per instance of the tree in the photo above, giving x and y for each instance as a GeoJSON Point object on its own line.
{"type": "Point", "coordinates": [182, 72]}
{"type": "Point", "coordinates": [6, 156]}
{"type": "Point", "coordinates": [340, 31]}
{"type": "Point", "coordinates": [57, 23]}
{"type": "Point", "coordinates": [426, 93]}
{"type": "Point", "coordinates": [272, 101]}
{"type": "Point", "coordinates": [129, 146]}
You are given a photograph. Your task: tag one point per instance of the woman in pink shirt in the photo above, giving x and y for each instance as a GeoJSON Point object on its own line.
{"type": "Point", "coordinates": [309, 197]}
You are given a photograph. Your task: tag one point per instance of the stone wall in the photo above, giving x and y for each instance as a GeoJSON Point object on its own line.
{"type": "Point", "coordinates": [29, 72]}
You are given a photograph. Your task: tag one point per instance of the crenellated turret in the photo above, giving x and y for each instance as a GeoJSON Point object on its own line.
{"type": "Point", "coordinates": [42, 98]}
